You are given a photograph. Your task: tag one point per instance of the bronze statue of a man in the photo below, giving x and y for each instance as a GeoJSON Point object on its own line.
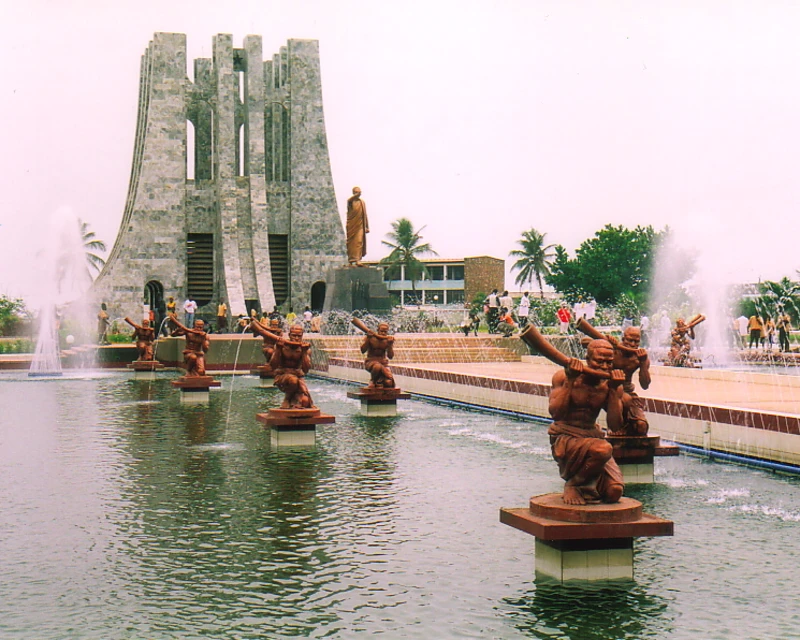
{"type": "Point", "coordinates": [197, 343]}
{"type": "Point", "coordinates": [578, 444]}
{"type": "Point", "coordinates": [681, 347]}
{"type": "Point", "coordinates": [290, 362]}
{"type": "Point", "coordinates": [357, 228]}
{"type": "Point", "coordinates": [145, 336]}
{"type": "Point", "coordinates": [379, 348]}
{"type": "Point", "coordinates": [274, 330]}
{"type": "Point", "coordinates": [628, 359]}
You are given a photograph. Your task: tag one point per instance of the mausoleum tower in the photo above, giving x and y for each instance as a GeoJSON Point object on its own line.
{"type": "Point", "coordinates": [251, 216]}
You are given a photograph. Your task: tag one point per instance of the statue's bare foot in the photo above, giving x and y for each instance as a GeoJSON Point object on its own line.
{"type": "Point", "coordinates": [572, 495]}
{"type": "Point", "coordinates": [590, 495]}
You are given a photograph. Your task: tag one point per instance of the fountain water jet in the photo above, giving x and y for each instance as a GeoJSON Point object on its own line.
{"type": "Point", "coordinates": [64, 279]}
{"type": "Point", "coordinates": [680, 291]}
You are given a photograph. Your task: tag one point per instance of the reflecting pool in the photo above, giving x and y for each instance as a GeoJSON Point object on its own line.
{"type": "Point", "coordinates": [128, 515]}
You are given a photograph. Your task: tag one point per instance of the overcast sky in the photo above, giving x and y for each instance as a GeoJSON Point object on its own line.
{"type": "Point", "coordinates": [476, 119]}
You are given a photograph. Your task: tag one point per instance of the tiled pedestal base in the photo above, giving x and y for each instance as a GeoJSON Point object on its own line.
{"type": "Point", "coordinates": [145, 370]}
{"type": "Point", "coordinates": [634, 455]}
{"type": "Point", "coordinates": [195, 389]}
{"type": "Point", "coordinates": [378, 402]}
{"type": "Point", "coordinates": [589, 542]}
{"type": "Point", "coordinates": [588, 560]}
{"type": "Point", "coordinates": [265, 375]}
{"type": "Point", "coordinates": [294, 427]}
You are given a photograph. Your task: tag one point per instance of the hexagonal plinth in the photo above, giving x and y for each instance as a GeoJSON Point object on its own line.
{"type": "Point", "coordinates": [195, 389]}
{"type": "Point", "coordinates": [584, 542]}
{"type": "Point", "coordinates": [378, 402]}
{"type": "Point", "coordinates": [293, 427]}
{"type": "Point", "coordinates": [145, 369]}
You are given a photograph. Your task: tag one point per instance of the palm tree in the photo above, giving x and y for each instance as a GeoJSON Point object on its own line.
{"type": "Point", "coordinates": [90, 245]}
{"type": "Point", "coordinates": [406, 245]}
{"type": "Point", "coordinates": [534, 258]}
{"type": "Point", "coordinates": [780, 296]}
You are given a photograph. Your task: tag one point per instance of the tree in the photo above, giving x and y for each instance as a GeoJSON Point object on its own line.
{"type": "Point", "coordinates": [90, 246]}
{"type": "Point", "coordinates": [406, 244]}
{"type": "Point", "coordinates": [777, 297]}
{"type": "Point", "coordinates": [617, 262]}
{"type": "Point", "coordinates": [534, 258]}
{"type": "Point", "coordinates": [11, 312]}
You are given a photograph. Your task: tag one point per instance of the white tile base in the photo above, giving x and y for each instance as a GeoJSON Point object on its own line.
{"type": "Point", "coordinates": [305, 438]}
{"type": "Point", "coordinates": [587, 565]}
{"type": "Point", "coordinates": [637, 473]}
{"type": "Point", "coordinates": [194, 397]}
{"type": "Point", "coordinates": [373, 409]}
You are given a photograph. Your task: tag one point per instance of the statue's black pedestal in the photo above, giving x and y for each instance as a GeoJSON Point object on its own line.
{"type": "Point", "coordinates": [357, 288]}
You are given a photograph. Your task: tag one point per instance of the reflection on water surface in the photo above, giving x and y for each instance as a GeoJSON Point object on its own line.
{"type": "Point", "coordinates": [128, 515]}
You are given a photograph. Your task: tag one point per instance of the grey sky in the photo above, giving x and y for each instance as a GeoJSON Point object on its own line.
{"type": "Point", "coordinates": [476, 119]}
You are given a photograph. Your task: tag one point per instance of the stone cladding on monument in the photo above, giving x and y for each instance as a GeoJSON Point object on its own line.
{"type": "Point", "coordinates": [482, 274]}
{"type": "Point", "coordinates": [257, 225]}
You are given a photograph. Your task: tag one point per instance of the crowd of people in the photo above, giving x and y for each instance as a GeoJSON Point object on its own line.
{"type": "Point", "coordinates": [760, 331]}
{"type": "Point", "coordinates": [503, 317]}
{"type": "Point", "coordinates": [160, 318]}
{"type": "Point", "coordinates": [500, 314]}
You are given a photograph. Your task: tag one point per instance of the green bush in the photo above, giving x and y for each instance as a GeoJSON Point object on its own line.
{"type": "Point", "coordinates": [119, 338]}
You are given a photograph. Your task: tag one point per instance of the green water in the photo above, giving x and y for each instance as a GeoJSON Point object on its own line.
{"type": "Point", "coordinates": [124, 514]}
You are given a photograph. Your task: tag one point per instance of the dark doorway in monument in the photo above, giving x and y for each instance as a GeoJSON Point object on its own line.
{"type": "Point", "coordinates": [252, 305]}
{"type": "Point", "coordinates": [317, 296]}
{"type": "Point", "coordinates": [154, 298]}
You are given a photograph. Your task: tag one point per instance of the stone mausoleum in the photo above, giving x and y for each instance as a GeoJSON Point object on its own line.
{"type": "Point", "coordinates": [231, 195]}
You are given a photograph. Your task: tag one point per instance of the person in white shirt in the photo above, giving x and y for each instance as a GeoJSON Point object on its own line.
{"type": "Point", "coordinates": [524, 310]}
{"type": "Point", "coordinates": [742, 323]}
{"type": "Point", "coordinates": [644, 325]}
{"type": "Point", "coordinates": [189, 307]}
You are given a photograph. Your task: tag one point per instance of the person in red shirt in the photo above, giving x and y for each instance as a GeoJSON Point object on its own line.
{"type": "Point", "coordinates": [564, 316]}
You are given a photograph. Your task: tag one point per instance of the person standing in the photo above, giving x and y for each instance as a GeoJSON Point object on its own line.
{"type": "Point", "coordinates": [769, 332]}
{"type": "Point", "coordinates": [307, 316]}
{"type": "Point", "coordinates": [102, 324]}
{"type": "Point", "coordinates": [742, 323]}
{"type": "Point", "coordinates": [357, 228]}
{"type": "Point", "coordinates": [524, 310]}
{"type": "Point", "coordinates": [784, 327]}
{"type": "Point", "coordinates": [222, 317]}
{"type": "Point", "coordinates": [644, 326]}
{"type": "Point", "coordinates": [172, 311]}
{"type": "Point", "coordinates": [754, 326]}
{"type": "Point", "coordinates": [506, 301]}
{"type": "Point", "coordinates": [493, 310]}
{"type": "Point", "coordinates": [564, 317]}
{"type": "Point", "coordinates": [189, 308]}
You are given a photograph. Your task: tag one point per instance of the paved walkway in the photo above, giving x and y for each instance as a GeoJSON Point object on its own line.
{"type": "Point", "coordinates": [773, 393]}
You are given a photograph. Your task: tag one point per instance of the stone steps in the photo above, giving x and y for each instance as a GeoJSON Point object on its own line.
{"type": "Point", "coordinates": [422, 348]}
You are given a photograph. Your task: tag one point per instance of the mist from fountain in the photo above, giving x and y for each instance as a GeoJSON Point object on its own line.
{"type": "Point", "coordinates": [63, 279]}
{"type": "Point", "coordinates": [680, 293]}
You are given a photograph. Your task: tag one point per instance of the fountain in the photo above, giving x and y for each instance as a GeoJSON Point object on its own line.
{"type": "Point", "coordinates": [64, 277]}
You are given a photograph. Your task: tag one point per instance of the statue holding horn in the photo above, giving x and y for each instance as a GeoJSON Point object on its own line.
{"type": "Point", "coordinates": [379, 349]}
{"type": "Point", "coordinates": [680, 349]}
{"type": "Point", "coordinates": [579, 392]}
{"type": "Point", "coordinates": [628, 357]}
